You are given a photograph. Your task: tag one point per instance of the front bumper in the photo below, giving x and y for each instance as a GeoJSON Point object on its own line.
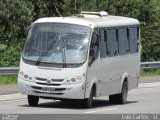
{"type": "Point", "coordinates": [71, 91]}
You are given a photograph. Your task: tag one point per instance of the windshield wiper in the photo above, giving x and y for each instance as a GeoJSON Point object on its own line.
{"type": "Point", "coordinates": [64, 53]}
{"type": "Point", "coordinates": [45, 52]}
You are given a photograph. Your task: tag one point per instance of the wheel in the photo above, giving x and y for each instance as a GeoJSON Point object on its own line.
{"type": "Point", "coordinates": [33, 100]}
{"type": "Point", "coordinates": [120, 98]}
{"type": "Point", "coordinates": [88, 102]}
{"type": "Point", "coordinates": [123, 95]}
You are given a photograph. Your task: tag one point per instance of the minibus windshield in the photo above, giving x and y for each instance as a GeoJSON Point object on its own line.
{"type": "Point", "coordinates": [57, 43]}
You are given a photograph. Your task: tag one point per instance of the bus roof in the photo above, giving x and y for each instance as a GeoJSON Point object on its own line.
{"type": "Point", "coordinates": [93, 20]}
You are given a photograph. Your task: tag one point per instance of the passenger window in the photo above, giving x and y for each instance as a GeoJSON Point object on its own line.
{"type": "Point", "coordinates": [103, 52]}
{"type": "Point", "coordinates": [123, 41]}
{"type": "Point", "coordinates": [112, 43]}
{"type": "Point", "coordinates": [133, 36]}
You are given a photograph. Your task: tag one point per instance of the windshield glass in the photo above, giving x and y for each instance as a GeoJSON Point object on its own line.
{"type": "Point", "coordinates": [69, 41]}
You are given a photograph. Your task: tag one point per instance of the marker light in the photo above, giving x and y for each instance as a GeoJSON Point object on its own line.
{"type": "Point", "coordinates": [83, 74]}
{"type": "Point", "coordinates": [21, 73]}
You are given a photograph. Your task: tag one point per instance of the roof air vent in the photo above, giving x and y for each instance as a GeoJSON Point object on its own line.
{"type": "Point", "coordinates": [100, 14]}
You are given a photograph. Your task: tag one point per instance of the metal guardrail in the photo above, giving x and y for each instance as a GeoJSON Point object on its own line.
{"type": "Point", "coordinates": [14, 70]}
{"type": "Point", "coordinates": [9, 70]}
{"type": "Point", "coordinates": [150, 65]}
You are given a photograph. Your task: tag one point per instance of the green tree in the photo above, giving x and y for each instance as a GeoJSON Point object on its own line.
{"type": "Point", "coordinates": [15, 17]}
{"type": "Point", "coordinates": [47, 8]}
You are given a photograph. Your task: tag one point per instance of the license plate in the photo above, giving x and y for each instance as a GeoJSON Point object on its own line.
{"type": "Point", "coordinates": [47, 89]}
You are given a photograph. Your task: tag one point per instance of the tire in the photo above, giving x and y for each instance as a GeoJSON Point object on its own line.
{"type": "Point", "coordinates": [120, 98]}
{"type": "Point", "coordinates": [124, 93]}
{"type": "Point", "coordinates": [33, 100]}
{"type": "Point", "coordinates": [88, 102]}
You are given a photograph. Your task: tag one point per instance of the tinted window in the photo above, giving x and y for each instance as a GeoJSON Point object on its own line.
{"type": "Point", "coordinates": [112, 43]}
{"type": "Point", "coordinates": [123, 41]}
{"type": "Point", "coordinates": [103, 48]}
{"type": "Point", "coordinates": [133, 36]}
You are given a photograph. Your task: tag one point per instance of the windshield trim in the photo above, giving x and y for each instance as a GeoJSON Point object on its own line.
{"type": "Point", "coordinates": [58, 65]}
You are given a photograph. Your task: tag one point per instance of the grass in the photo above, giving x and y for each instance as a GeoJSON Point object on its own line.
{"type": "Point", "coordinates": [151, 72]}
{"type": "Point", "coordinates": [8, 79]}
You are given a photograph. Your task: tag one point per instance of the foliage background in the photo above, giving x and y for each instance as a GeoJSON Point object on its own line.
{"type": "Point", "coordinates": [17, 15]}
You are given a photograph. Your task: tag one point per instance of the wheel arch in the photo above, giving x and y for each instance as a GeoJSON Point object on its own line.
{"type": "Point", "coordinates": [94, 87]}
{"type": "Point", "coordinates": [124, 79]}
{"type": "Point", "coordinates": [89, 88]}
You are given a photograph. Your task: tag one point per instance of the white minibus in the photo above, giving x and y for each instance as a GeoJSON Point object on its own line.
{"type": "Point", "coordinates": [80, 58]}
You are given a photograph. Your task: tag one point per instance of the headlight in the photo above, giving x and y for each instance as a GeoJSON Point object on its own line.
{"type": "Point", "coordinates": [25, 76]}
{"type": "Point", "coordinates": [75, 80]}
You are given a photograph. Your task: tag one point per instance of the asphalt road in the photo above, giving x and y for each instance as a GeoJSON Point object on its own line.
{"type": "Point", "coordinates": [140, 101]}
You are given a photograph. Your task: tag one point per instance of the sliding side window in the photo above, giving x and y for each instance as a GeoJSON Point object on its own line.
{"type": "Point", "coordinates": [134, 38]}
{"type": "Point", "coordinates": [123, 41]}
{"type": "Point", "coordinates": [112, 42]}
{"type": "Point", "coordinates": [103, 44]}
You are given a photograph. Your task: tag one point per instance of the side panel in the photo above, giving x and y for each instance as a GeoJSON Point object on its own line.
{"type": "Point", "coordinates": [112, 71]}
{"type": "Point", "coordinates": [108, 73]}
{"type": "Point", "coordinates": [119, 59]}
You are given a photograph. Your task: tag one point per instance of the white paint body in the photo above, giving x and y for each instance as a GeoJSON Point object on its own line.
{"type": "Point", "coordinates": [107, 73]}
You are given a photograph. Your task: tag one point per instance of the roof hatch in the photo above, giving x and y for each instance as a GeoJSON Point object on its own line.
{"type": "Point", "coordinates": [93, 14]}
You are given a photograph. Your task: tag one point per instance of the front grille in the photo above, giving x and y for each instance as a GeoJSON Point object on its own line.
{"type": "Point", "coordinates": [53, 82]}
{"type": "Point", "coordinates": [40, 79]}
{"type": "Point", "coordinates": [48, 84]}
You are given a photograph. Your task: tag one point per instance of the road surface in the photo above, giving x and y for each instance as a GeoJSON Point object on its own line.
{"type": "Point", "coordinates": [140, 101]}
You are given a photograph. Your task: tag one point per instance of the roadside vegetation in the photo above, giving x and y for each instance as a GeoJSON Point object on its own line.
{"type": "Point", "coordinates": [10, 79]}
{"type": "Point", "coordinates": [151, 72]}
